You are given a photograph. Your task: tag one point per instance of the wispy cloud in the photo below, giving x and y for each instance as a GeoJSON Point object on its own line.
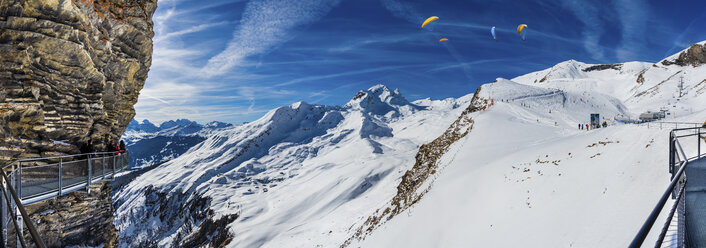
{"type": "Point", "coordinates": [588, 13]}
{"type": "Point", "coordinates": [188, 30]}
{"type": "Point", "coordinates": [450, 66]}
{"type": "Point", "coordinates": [265, 25]}
{"type": "Point", "coordinates": [403, 10]}
{"type": "Point", "coordinates": [680, 42]}
{"type": "Point", "coordinates": [633, 15]}
{"type": "Point", "coordinates": [348, 73]}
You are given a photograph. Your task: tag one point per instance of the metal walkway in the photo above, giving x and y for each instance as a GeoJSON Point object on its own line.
{"type": "Point", "coordinates": [32, 180]}
{"type": "Point", "coordinates": [685, 224]}
{"type": "Point", "coordinates": [696, 203]}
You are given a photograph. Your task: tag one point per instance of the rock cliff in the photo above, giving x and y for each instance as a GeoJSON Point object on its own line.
{"type": "Point", "coordinates": [70, 71]}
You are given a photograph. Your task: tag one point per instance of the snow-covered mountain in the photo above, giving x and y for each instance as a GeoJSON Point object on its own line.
{"type": "Point", "coordinates": [527, 177]}
{"type": "Point", "coordinates": [151, 145]}
{"type": "Point", "coordinates": [302, 170]}
{"type": "Point", "coordinates": [503, 167]}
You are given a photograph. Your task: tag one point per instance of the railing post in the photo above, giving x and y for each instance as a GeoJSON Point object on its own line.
{"type": "Point", "coordinates": [20, 223]}
{"type": "Point", "coordinates": [88, 183]}
{"type": "Point", "coordinates": [61, 161]}
{"type": "Point", "coordinates": [671, 155]}
{"type": "Point", "coordinates": [103, 168]}
{"type": "Point", "coordinates": [115, 158]}
{"type": "Point", "coordinates": [19, 180]}
{"type": "Point", "coordinates": [13, 184]}
{"type": "Point", "coordinates": [3, 215]}
{"type": "Point", "coordinates": [698, 142]}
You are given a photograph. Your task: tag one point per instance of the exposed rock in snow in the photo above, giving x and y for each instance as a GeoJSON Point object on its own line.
{"type": "Point", "coordinates": [694, 56]}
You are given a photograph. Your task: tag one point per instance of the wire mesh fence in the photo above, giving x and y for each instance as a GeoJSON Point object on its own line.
{"type": "Point", "coordinates": [36, 179]}
{"type": "Point", "coordinates": [51, 175]}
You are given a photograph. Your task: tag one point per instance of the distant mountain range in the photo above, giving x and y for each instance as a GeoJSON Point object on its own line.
{"type": "Point", "coordinates": [150, 144]}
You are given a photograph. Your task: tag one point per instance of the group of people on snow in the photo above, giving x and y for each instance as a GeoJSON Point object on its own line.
{"type": "Point", "coordinates": [588, 127]}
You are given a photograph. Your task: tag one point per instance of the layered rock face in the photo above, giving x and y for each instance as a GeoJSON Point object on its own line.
{"type": "Point", "coordinates": [694, 56]}
{"type": "Point", "coordinates": [76, 219]}
{"type": "Point", "coordinates": [70, 71]}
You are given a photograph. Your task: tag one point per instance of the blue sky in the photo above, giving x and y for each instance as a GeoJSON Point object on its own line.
{"type": "Point", "coordinates": [233, 60]}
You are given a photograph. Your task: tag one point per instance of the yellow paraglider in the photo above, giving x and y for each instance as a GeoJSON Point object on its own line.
{"type": "Point", "coordinates": [521, 30]}
{"type": "Point", "coordinates": [429, 20]}
{"type": "Point", "coordinates": [443, 39]}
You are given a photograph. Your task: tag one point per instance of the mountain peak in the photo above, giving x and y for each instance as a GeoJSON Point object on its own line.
{"type": "Point", "coordinates": [378, 100]}
{"type": "Point", "coordinates": [177, 122]}
{"type": "Point", "coordinates": [217, 124]}
{"type": "Point", "coordinates": [145, 126]}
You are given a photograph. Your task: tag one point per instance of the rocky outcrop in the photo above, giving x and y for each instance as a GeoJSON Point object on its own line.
{"type": "Point", "coordinates": [77, 219]}
{"type": "Point", "coordinates": [603, 67]}
{"type": "Point", "coordinates": [70, 71]}
{"type": "Point", "coordinates": [694, 56]}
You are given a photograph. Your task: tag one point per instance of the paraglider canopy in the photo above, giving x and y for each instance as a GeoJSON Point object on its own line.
{"type": "Point", "coordinates": [492, 31]}
{"type": "Point", "coordinates": [443, 39]}
{"type": "Point", "coordinates": [429, 20]}
{"type": "Point", "coordinates": [522, 30]}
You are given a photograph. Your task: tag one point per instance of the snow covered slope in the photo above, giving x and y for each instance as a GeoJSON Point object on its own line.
{"type": "Point", "coordinates": [151, 145]}
{"type": "Point", "coordinates": [517, 179]}
{"type": "Point", "coordinates": [513, 182]}
{"type": "Point", "coordinates": [504, 167]}
{"type": "Point", "coordinates": [294, 178]}
{"type": "Point", "coordinates": [640, 86]}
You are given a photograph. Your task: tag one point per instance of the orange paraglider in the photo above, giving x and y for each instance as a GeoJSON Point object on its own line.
{"type": "Point", "coordinates": [443, 39]}
{"type": "Point", "coordinates": [429, 20]}
{"type": "Point", "coordinates": [521, 30]}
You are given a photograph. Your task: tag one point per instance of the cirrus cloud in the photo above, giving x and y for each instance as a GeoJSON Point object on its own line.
{"type": "Point", "coordinates": [264, 26]}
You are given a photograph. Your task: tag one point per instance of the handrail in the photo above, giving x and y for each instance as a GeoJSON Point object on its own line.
{"type": "Point", "coordinates": [645, 229]}
{"type": "Point", "coordinates": [662, 234]}
{"type": "Point", "coordinates": [25, 217]}
{"type": "Point", "coordinates": [647, 226]}
{"type": "Point", "coordinates": [55, 157]}
{"type": "Point", "coordinates": [16, 188]}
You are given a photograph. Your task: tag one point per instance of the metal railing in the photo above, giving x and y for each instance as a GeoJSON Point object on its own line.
{"type": "Point", "coordinates": [36, 179]}
{"type": "Point", "coordinates": [671, 124]}
{"type": "Point", "coordinates": [677, 167]}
